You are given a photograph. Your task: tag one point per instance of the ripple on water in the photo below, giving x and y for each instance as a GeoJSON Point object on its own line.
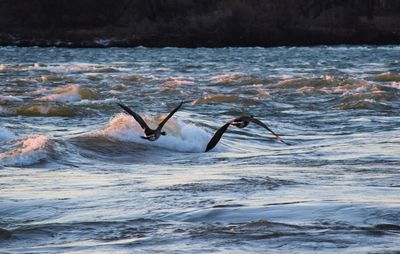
{"type": "Point", "coordinates": [76, 233]}
{"type": "Point", "coordinates": [225, 98]}
{"type": "Point", "coordinates": [6, 135]}
{"type": "Point", "coordinates": [333, 190]}
{"type": "Point", "coordinates": [244, 184]}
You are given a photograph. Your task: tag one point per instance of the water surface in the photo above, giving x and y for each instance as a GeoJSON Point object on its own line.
{"type": "Point", "coordinates": [75, 176]}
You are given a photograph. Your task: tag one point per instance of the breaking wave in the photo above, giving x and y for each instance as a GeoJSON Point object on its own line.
{"type": "Point", "coordinates": [3, 67]}
{"type": "Point", "coordinates": [10, 98]}
{"type": "Point", "coordinates": [386, 77]}
{"type": "Point", "coordinates": [27, 151]}
{"type": "Point", "coordinates": [69, 93]}
{"type": "Point", "coordinates": [96, 102]}
{"type": "Point", "coordinates": [84, 68]}
{"type": "Point", "coordinates": [236, 79]}
{"type": "Point", "coordinates": [180, 136]}
{"type": "Point", "coordinates": [349, 93]}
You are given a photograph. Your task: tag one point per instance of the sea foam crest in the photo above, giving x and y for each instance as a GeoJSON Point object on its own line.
{"type": "Point", "coordinates": [69, 93]}
{"type": "Point", "coordinates": [10, 98]}
{"type": "Point", "coordinates": [26, 152]}
{"type": "Point", "coordinates": [180, 136]}
{"type": "Point", "coordinates": [3, 67]}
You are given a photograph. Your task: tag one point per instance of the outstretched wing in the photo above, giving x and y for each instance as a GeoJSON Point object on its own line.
{"type": "Point", "coordinates": [136, 116]}
{"type": "Point", "coordinates": [256, 121]}
{"type": "Point", "coordinates": [169, 116]}
{"type": "Point", "coordinates": [217, 136]}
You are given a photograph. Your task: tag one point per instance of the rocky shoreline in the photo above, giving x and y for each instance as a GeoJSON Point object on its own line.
{"type": "Point", "coordinates": [189, 23]}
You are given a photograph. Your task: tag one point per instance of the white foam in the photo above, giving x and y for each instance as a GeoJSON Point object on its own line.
{"type": "Point", "coordinates": [235, 78]}
{"type": "Point", "coordinates": [28, 151]}
{"type": "Point", "coordinates": [95, 102]}
{"type": "Point", "coordinates": [68, 93]}
{"type": "Point", "coordinates": [10, 98]}
{"type": "Point", "coordinates": [180, 136]}
{"type": "Point", "coordinates": [6, 135]}
{"type": "Point", "coordinates": [177, 81]}
{"type": "Point", "coordinates": [395, 85]}
{"type": "Point", "coordinates": [3, 67]}
{"type": "Point", "coordinates": [64, 94]}
{"type": "Point", "coordinates": [83, 68]}
{"type": "Point", "coordinates": [103, 42]}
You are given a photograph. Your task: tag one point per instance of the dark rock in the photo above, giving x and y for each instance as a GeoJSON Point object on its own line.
{"type": "Point", "coordinates": [190, 23]}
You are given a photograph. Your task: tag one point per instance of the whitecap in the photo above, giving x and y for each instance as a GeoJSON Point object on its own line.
{"type": "Point", "coordinates": [236, 78]}
{"type": "Point", "coordinates": [69, 93]}
{"type": "Point", "coordinates": [10, 98]}
{"type": "Point", "coordinates": [395, 85]}
{"type": "Point", "coordinates": [63, 94]}
{"type": "Point", "coordinates": [177, 81]}
{"type": "Point", "coordinates": [95, 102]}
{"type": "Point", "coordinates": [180, 136]}
{"type": "Point", "coordinates": [102, 42]}
{"type": "Point", "coordinates": [85, 68]}
{"type": "Point", "coordinates": [26, 152]}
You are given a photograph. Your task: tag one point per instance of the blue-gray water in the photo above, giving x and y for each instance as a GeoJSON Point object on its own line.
{"type": "Point", "coordinates": [75, 176]}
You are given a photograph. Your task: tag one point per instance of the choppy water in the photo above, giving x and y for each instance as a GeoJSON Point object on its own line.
{"type": "Point", "coordinates": [75, 176]}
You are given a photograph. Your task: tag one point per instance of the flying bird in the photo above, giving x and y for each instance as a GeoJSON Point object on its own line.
{"type": "Point", "coordinates": [150, 134]}
{"type": "Point", "coordinates": [240, 122]}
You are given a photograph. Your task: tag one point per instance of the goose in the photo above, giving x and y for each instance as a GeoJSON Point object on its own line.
{"type": "Point", "coordinates": [150, 134]}
{"type": "Point", "coordinates": [240, 122]}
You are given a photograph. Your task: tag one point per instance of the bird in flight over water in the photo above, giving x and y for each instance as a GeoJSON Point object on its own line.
{"type": "Point", "coordinates": [240, 122]}
{"type": "Point", "coordinates": [150, 134]}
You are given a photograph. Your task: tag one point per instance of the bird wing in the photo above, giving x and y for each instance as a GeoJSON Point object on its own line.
{"type": "Point", "coordinates": [217, 136]}
{"type": "Point", "coordinates": [136, 116]}
{"type": "Point", "coordinates": [169, 116]}
{"type": "Point", "coordinates": [256, 121]}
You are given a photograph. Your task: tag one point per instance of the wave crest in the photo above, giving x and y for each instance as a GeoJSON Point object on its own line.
{"type": "Point", "coordinates": [70, 93]}
{"type": "Point", "coordinates": [44, 110]}
{"type": "Point", "coordinates": [26, 152]}
{"type": "Point", "coordinates": [235, 78]}
{"type": "Point", "coordinates": [10, 98]}
{"type": "Point", "coordinates": [386, 77]}
{"type": "Point", "coordinates": [180, 136]}
{"type": "Point", "coordinates": [3, 67]}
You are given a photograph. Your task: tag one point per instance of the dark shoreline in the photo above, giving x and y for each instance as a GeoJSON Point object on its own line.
{"type": "Point", "coordinates": [95, 46]}
{"type": "Point", "coordinates": [191, 24]}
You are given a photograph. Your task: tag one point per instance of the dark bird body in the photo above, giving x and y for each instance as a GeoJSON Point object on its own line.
{"type": "Point", "coordinates": [240, 122]}
{"type": "Point", "coordinates": [150, 134]}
